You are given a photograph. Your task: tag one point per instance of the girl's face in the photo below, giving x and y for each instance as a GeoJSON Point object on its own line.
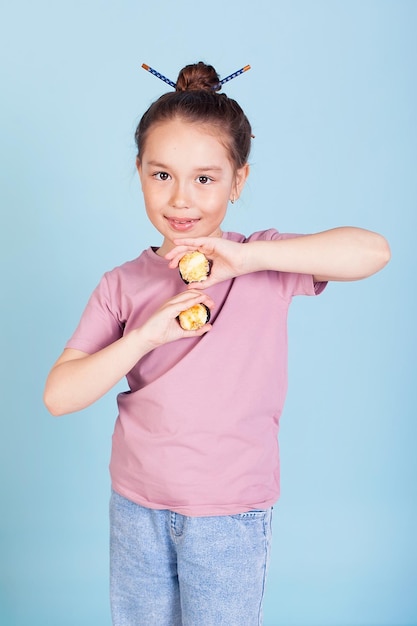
{"type": "Point", "coordinates": [187, 180]}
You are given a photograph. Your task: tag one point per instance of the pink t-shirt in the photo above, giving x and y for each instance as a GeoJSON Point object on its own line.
{"type": "Point", "coordinates": [197, 432]}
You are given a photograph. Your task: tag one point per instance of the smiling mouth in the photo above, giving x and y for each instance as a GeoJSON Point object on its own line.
{"type": "Point", "coordinates": [181, 224]}
{"type": "Point", "coordinates": [183, 220]}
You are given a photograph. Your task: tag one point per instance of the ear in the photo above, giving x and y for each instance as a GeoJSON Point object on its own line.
{"type": "Point", "coordinates": [240, 179]}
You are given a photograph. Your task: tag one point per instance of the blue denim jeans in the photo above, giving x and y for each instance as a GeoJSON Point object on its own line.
{"type": "Point", "coordinates": [168, 569]}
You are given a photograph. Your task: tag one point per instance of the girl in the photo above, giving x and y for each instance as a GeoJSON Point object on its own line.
{"type": "Point", "coordinates": [194, 466]}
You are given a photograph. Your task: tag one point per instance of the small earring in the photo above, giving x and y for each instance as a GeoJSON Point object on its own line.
{"type": "Point", "coordinates": [232, 200]}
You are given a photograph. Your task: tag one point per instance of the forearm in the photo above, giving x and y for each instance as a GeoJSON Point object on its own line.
{"type": "Point", "coordinates": [78, 379]}
{"type": "Point", "coordinates": [345, 253]}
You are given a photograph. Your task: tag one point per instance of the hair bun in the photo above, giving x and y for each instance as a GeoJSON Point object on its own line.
{"type": "Point", "coordinates": [198, 77]}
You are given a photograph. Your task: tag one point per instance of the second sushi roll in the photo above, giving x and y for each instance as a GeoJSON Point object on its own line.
{"type": "Point", "coordinates": [195, 317]}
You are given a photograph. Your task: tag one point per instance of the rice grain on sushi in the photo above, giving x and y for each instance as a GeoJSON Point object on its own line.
{"type": "Point", "coordinates": [195, 317]}
{"type": "Point", "coordinates": [194, 267]}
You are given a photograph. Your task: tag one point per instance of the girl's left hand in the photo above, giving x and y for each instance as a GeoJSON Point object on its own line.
{"type": "Point", "coordinates": [229, 258]}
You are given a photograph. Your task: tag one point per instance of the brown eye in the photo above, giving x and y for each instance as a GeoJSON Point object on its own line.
{"type": "Point", "coordinates": [161, 176]}
{"type": "Point", "coordinates": [204, 180]}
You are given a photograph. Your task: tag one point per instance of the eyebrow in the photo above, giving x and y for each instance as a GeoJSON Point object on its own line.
{"type": "Point", "coordinates": [205, 168]}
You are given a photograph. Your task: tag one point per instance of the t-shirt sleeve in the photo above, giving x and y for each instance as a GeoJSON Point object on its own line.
{"type": "Point", "coordinates": [100, 324]}
{"type": "Point", "coordinates": [291, 284]}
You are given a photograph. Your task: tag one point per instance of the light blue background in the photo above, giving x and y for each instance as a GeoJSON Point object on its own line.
{"type": "Point", "coordinates": [332, 100]}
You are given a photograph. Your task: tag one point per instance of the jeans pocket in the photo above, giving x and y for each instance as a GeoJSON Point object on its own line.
{"type": "Point", "coordinates": [251, 515]}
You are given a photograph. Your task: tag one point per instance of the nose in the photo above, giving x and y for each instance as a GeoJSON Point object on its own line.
{"type": "Point", "coordinates": [180, 197]}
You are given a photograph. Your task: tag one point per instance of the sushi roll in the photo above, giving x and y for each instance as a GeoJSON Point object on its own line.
{"type": "Point", "coordinates": [195, 317]}
{"type": "Point", "coordinates": [194, 267]}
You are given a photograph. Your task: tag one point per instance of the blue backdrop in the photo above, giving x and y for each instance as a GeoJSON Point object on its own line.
{"type": "Point", "coordinates": [332, 99]}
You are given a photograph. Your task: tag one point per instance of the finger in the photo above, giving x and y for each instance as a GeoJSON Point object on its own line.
{"type": "Point", "coordinates": [174, 257]}
{"type": "Point", "coordinates": [203, 244]}
{"type": "Point", "coordinates": [180, 249]}
{"type": "Point", "coordinates": [189, 298]}
{"type": "Point", "coordinates": [204, 284]}
{"type": "Point", "coordinates": [176, 254]}
{"type": "Point", "coordinates": [198, 333]}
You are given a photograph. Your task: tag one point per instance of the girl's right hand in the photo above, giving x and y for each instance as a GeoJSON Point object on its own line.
{"type": "Point", "coordinates": [163, 326]}
{"type": "Point", "coordinates": [78, 379]}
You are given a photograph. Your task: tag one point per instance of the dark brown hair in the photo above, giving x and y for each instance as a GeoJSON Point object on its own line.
{"type": "Point", "coordinates": [196, 100]}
